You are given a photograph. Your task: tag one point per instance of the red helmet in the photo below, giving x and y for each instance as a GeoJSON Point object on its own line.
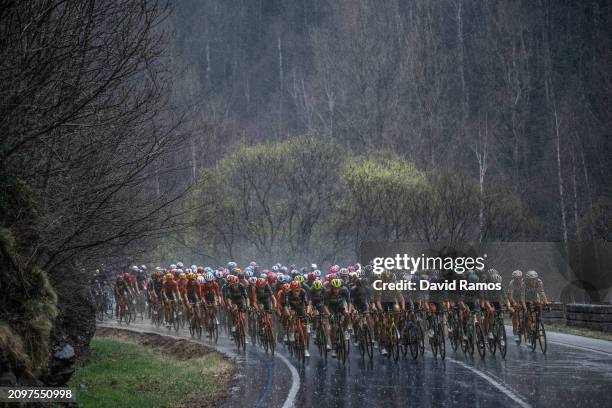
{"type": "Point", "coordinates": [225, 273]}
{"type": "Point", "coordinates": [351, 268]}
{"type": "Point", "coordinates": [285, 287]}
{"type": "Point", "coordinates": [295, 285]}
{"type": "Point", "coordinates": [200, 269]}
{"type": "Point", "coordinates": [126, 276]}
{"type": "Point", "coordinates": [311, 276]}
{"type": "Point", "coordinates": [334, 269]}
{"type": "Point", "coordinates": [271, 277]}
{"type": "Point", "coordinates": [232, 279]}
{"type": "Point", "coordinates": [261, 282]}
{"type": "Point", "coordinates": [119, 277]}
{"type": "Point", "coordinates": [331, 276]}
{"type": "Point", "coordinates": [253, 264]}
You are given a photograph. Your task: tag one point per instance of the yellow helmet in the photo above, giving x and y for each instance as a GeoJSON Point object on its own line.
{"type": "Point", "coordinates": [191, 276]}
{"type": "Point", "coordinates": [182, 275]}
{"type": "Point", "coordinates": [169, 277]}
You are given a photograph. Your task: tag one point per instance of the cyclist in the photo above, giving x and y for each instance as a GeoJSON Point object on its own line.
{"type": "Point", "coordinates": [122, 292]}
{"type": "Point", "coordinates": [388, 300]}
{"type": "Point", "coordinates": [516, 296]}
{"type": "Point", "coordinates": [263, 298]}
{"type": "Point", "coordinates": [316, 303]}
{"type": "Point", "coordinates": [170, 293]}
{"type": "Point", "coordinates": [192, 291]}
{"type": "Point", "coordinates": [235, 296]}
{"type": "Point", "coordinates": [296, 301]}
{"type": "Point", "coordinates": [495, 300]}
{"type": "Point", "coordinates": [360, 297]}
{"type": "Point", "coordinates": [338, 302]}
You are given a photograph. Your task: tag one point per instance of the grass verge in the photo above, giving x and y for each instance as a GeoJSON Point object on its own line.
{"type": "Point", "coordinates": [122, 373]}
{"type": "Point", "coordinates": [579, 331]}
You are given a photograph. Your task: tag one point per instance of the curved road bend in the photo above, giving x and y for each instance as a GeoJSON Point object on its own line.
{"type": "Point", "coordinates": [575, 372]}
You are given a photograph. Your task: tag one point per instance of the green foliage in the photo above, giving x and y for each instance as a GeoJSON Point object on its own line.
{"type": "Point", "coordinates": [123, 374]}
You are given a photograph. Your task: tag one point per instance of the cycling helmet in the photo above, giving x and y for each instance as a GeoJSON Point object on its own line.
{"type": "Point", "coordinates": [336, 283]}
{"type": "Point", "coordinates": [295, 285]}
{"type": "Point", "coordinates": [209, 277]}
{"type": "Point", "coordinates": [182, 275]}
{"type": "Point", "coordinates": [357, 267]}
{"type": "Point", "coordinates": [193, 267]}
{"type": "Point", "coordinates": [313, 266]}
{"type": "Point", "coordinates": [317, 284]}
{"type": "Point", "coordinates": [119, 278]}
{"type": "Point", "coordinates": [143, 267]}
{"type": "Point", "coordinates": [272, 277]}
{"type": "Point", "coordinates": [200, 269]}
{"type": "Point", "coordinates": [249, 272]}
{"type": "Point", "coordinates": [351, 268]}
{"type": "Point", "coordinates": [531, 275]}
{"type": "Point", "coordinates": [237, 271]}
{"type": "Point", "coordinates": [299, 278]}
{"type": "Point", "coordinates": [253, 264]}
{"type": "Point", "coordinates": [179, 271]}
{"type": "Point", "coordinates": [275, 268]}
{"type": "Point", "coordinates": [134, 268]}
{"type": "Point", "coordinates": [232, 279]}
{"type": "Point", "coordinates": [261, 283]}
{"type": "Point", "coordinates": [252, 280]}
{"type": "Point", "coordinates": [472, 277]}
{"type": "Point", "coordinates": [172, 266]}
{"type": "Point", "coordinates": [231, 265]}
{"type": "Point", "coordinates": [311, 276]}
{"type": "Point", "coordinates": [200, 279]}
{"type": "Point", "coordinates": [496, 278]}
{"type": "Point", "coordinates": [517, 274]}
{"type": "Point", "coordinates": [344, 272]}
{"type": "Point", "coordinates": [188, 271]}
{"type": "Point", "coordinates": [317, 272]}
{"type": "Point", "coordinates": [218, 274]}
{"type": "Point", "coordinates": [331, 276]}
{"type": "Point", "coordinates": [126, 276]}
{"type": "Point", "coordinates": [285, 287]}
{"type": "Point", "coordinates": [284, 269]}
{"type": "Point", "coordinates": [334, 269]}
{"type": "Point", "coordinates": [180, 265]}
{"type": "Point", "coordinates": [169, 277]}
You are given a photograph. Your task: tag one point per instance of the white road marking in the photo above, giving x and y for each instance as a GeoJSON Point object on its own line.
{"type": "Point", "coordinates": [605, 353]}
{"type": "Point", "coordinates": [501, 387]}
{"type": "Point", "coordinates": [295, 382]}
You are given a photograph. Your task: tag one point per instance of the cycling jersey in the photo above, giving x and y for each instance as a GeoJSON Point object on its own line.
{"type": "Point", "coordinates": [534, 291]}
{"type": "Point", "coordinates": [209, 291]}
{"type": "Point", "coordinates": [516, 290]}
{"type": "Point", "coordinates": [317, 296]}
{"type": "Point", "coordinates": [193, 291]}
{"type": "Point", "coordinates": [360, 296]}
{"type": "Point", "coordinates": [337, 299]}
{"type": "Point", "coordinates": [170, 288]}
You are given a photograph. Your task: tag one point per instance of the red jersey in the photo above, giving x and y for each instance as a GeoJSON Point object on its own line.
{"type": "Point", "coordinates": [208, 289]}
{"type": "Point", "coordinates": [169, 288]}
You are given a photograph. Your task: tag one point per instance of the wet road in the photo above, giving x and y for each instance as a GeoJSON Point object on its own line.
{"type": "Point", "coordinates": [575, 372]}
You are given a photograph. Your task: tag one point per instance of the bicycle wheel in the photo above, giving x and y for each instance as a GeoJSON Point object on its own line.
{"type": "Point", "coordinates": [270, 338]}
{"type": "Point", "coordinates": [367, 339]}
{"type": "Point", "coordinates": [501, 339]}
{"type": "Point", "coordinates": [492, 344]}
{"type": "Point", "coordinates": [480, 341]}
{"type": "Point", "coordinates": [192, 331]}
{"type": "Point", "coordinates": [441, 341]}
{"type": "Point", "coordinates": [470, 340]}
{"type": "Point", "coordinates": [413, 341]}
{"type": "Point", "coordinates": [541, 333]}
{"type": "Point", "coordinates": [322, 341]}
{"type": "Point", "coordinates": [453, 334]}
{"type": "Point", "coordinates": [176, 324]}
{"type": "Point", "coordinates": [341, 345]}
{"type": "Point", "coordinates": [395, 345]}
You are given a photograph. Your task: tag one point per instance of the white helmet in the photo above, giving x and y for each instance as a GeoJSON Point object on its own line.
{"type": "Point", "coordinates": [532, 274]}
{"type": "Point", "coordinates": [313, 267]}
{"type": "Point", "coordinates": [135, 268]}
{"type": "Point", "coordinates": [210, 277]}
{"type": "Point", "coordinates": [517, 274]}
{"type": "Point", "coordinates": [179, 265]}
{"type": "Point", "coordinates": [172, 266]}
{"type": "Point", "coordinates": [194, 267]}
{"type": "Point", "coordinates": [252, 280]}
{"type": "Point", "coordinates": [200, 279]}
{"type": "Point", "coordinates": [143, 267]}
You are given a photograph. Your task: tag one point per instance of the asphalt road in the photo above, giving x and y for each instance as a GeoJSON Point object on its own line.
{"type": "Point", "coordinates": [575, 372]}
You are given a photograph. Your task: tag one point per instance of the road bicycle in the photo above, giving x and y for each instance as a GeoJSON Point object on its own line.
{"type": "Point", "coordinates": [320, 336]}
{"type": "Point", "coordinates": [238, 321]}
{"type": "Point", "coordinates": [363, 334]}
{"type": "Point", "coordinates": [436, 340]}
{"type": "Point", "coordinates": [195, 321]}
{"type": "Point", "coordinates": [535, 332]}
{"type": "Point", "coordinates": [340, 343]}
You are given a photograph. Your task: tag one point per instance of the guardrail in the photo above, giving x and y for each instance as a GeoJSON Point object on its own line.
{"type": "Point", "coordinates": [596, 317]}
{"type": "Point", "coordinates": [556, 314]}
